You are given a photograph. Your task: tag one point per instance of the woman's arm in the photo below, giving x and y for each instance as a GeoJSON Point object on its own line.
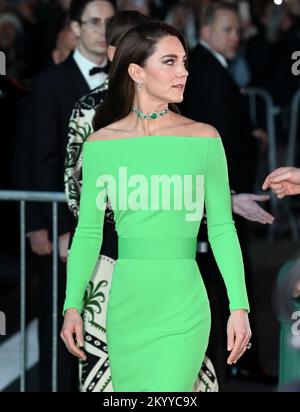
{"type": "Point", "coordinates": [84, 251]}
{"type": "Point", "coordinates": [226, 248]}
{"type": "Point", "coordinates": [87, 239]}
{"type": "Point", "coordinates": [221, 228]}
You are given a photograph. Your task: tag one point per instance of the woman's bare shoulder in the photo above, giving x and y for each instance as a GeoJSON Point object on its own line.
{"type": "Point", "coordinates": [109, 132]}
{"type": "Point", "coordinates": [199, 129]}
{"type": "Point", "coordinates": [101, 134]}
{"type": "Point", "coordinates": [189, 127]}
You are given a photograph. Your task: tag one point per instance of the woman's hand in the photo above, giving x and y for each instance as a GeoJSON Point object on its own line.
{"type": "Point", "coordinates": [238, 334]}
{"type": "Point", "coordinates": [73, 325]}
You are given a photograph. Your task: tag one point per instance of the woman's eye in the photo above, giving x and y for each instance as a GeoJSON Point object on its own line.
{"type": "Point", "coordinates": [169, 61]}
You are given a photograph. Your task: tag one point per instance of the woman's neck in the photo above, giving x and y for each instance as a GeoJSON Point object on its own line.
{"type": "Point", "coordinates": [155, 123]}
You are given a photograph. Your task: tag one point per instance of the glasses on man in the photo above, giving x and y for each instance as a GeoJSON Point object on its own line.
{"type": "Point", "coordinates": [94, 23]}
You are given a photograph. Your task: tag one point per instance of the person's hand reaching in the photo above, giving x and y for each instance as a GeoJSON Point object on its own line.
{"type": "Point", "coordinates": [284, 181]}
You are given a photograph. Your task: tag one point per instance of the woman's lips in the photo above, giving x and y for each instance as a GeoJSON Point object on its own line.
{"type": "Point", "coordinates": [179, 86]}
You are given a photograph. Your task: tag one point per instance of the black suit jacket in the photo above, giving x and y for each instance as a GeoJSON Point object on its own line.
{"type": "Point", "coordinates": [211, 96]}
{"type": "Point", "coordinates": [23, 162]}
{"type": "Point", "coordinates": [54, 94]}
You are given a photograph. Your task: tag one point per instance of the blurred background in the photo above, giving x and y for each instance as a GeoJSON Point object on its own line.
{"type": "Point", "coordinates": [264, 68]}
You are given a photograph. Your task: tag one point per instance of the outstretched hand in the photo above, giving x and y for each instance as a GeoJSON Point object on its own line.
{"type": "Point", "coordinates": [245, 205]}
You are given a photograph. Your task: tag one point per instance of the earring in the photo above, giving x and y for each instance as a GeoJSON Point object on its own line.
{"type": "Point", "coordinates": [139, 85]}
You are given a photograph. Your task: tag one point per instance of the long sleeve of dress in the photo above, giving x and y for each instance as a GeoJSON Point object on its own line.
{"type": "Point", "coordinates": [87, 238]}
{"type": "Point", "coordinates": [222, 233]}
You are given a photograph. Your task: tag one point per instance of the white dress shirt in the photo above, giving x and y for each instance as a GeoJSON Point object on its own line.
{"type": "Point", "coordinates": [217, 55]}
{"type": "Point", "coordinates": [85, 66]}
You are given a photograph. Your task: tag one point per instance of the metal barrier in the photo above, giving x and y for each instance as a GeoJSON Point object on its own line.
{"type": "Point", "coordinates": [291, 159]}
{"type": "Point", "coordinates": [254, 94]}
{"type": "Point", "coordinates": [271, 111]}
{"type": "Point", "coordinates": [22, 197]}
{"type": "Point", "coordinates": [295, 111]}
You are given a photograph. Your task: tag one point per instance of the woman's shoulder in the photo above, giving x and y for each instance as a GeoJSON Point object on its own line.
{"type": "Point", "coordinates": [192, 128]}
{"type": "Point", "coordinates": [102, 134]}
{"type": "Point", "coordinates": [200, 130]}
{"type": "Point", "coordinates": [112, 131]}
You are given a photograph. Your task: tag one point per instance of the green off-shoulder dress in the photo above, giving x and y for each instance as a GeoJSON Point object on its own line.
{"type": "Point", "coordinates": [158, 314]}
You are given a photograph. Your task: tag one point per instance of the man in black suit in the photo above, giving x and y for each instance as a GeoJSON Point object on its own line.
{"type": "Point", "coordinates": [213, 97]}
{"type": "Point", "coordinates": [55, 92]}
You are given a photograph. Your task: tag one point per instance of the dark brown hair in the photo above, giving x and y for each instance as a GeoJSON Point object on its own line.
{"type": "Point", "coordinates": [120, 23]}
{"type": "Point", "coordinates": [136, 46]}
{"type": "Point", "coordinates": [77, 8]}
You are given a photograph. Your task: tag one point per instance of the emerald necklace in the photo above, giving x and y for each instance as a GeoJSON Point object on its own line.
{"type": "Point", "coordinates": [152, 115]}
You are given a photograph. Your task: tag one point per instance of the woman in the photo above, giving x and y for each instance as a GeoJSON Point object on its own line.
{"type": "Point", "coordinates": [158, 316]}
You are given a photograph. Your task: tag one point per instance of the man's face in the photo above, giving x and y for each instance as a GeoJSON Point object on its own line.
{"type": "Point", "coordinates": [91, 30]}
{"type": "Point", "coordinates": [223, 35]}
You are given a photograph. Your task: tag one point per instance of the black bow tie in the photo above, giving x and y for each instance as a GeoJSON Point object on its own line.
{"type": "Point", "coordinates": [96, 69]}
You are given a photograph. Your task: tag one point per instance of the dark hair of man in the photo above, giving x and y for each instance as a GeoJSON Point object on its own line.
{"type": "Point", "coordinates": [120, 23]}
{"type": "Point", "coordinates": [208, 14]}
{"type": "Point", "coordinates": [77, 8]}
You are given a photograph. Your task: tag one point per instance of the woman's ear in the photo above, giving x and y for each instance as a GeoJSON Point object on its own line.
{"type": "Point", "coordinates": [136, 72]}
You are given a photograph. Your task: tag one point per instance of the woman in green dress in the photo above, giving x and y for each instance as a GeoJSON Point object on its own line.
{"type": "Point", "coordinates": [158, 169]}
